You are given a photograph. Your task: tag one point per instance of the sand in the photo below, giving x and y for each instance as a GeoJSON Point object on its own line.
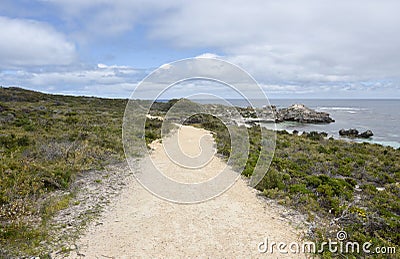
{"type": "Point", "coordinates": [141, 225]}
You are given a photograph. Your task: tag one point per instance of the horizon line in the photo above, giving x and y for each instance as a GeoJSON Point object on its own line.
{"type": "Point", "coordinates": [228, 98]}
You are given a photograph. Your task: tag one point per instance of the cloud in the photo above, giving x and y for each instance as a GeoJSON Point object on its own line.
{"type": "Point", "coordinates": [165, 66]}
{"type": "Point", "coordinates": [290, 47]}
{"type": "Point", "coordinates": [305, 40]}
{"type": "Point", "coordinates": [302, 41]}
{"type": "Point", "coordinates": [32, 43]}
{"type": "Point", "coordinates": [102, 80]}
{"type": "Point", "coordinates": [208, 55]}
{"type": "Point", "coordinates": [93, 19]}
{"type": "Point", "coordinates": [292, 40]}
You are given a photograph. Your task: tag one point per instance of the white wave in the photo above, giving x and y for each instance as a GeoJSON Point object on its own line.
{"type": "Point", "coordinates": [342, 108]}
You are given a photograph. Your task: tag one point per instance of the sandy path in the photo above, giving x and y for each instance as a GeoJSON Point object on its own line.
{"type": "Point", "coordinates": [138, 224]}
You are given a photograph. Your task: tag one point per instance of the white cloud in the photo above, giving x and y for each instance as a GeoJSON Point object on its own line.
{"type": "Point", "coordinates": [305, 40]}
{"type": "Point", "coordinates": [292, 40]}
{"type": "Point", "coordinates": [103, 80]}
{"type": "Point", "coordinates": [208, 55]}
{"type": "Point", "coordinates": [102, 65]}
{"type": "Point", "coordinates": [91, 19]}
{"type": "Point", "coordinates": [304, 46]}
{"type": "Point", "coordinates": [165, 66]}
{"type": "Point", "coordinates": [31, 43]}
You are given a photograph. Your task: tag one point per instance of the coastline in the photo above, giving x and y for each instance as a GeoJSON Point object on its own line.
{"type": "Point", "coordinates": [291, 126]}
{"type": "Point", "coordinates": [377, 115]}
{"type": "Point", "coordinates": [54, 142]}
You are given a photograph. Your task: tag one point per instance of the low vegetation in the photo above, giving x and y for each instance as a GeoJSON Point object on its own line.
{"type": "Point", "coordinates": [47, 141]}
{"type": "Point", "coordinates": [339, 185]}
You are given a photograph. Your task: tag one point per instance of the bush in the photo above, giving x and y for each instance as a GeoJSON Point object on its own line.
{"type": "Point", "coordinates": [318, 177]}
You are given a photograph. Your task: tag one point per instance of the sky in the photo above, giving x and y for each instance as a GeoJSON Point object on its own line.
{"type": "Point", "coordinates": [294, 49]}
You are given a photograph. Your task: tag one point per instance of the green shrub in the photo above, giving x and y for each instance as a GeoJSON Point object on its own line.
{"type": "Point", "coordinates": [44, 151]}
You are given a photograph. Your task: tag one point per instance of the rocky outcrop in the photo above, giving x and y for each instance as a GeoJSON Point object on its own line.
{"type": "Point", "coordinates": [269, 113]}
{"type": "Point", "coordinates": [354, 133]}
{"type": "Point", "coordinates": [303, 114]}
{"type": "Point", "coordinates": [366, 134]}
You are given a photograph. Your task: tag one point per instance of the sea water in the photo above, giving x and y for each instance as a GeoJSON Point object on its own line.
{"type": "Point", "coordinates": [382, 116]}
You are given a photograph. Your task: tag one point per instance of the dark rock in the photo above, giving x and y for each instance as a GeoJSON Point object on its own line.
{"type": "Point", "coordinates": [249, 112]}
{"type": "Point", "coordinates": [251, 123]}
{"type": "Point", "coordinates": [295, 132]}
{"type": "Point", "coordinates": [348, 133]}
{"type": "Point", "coordinates": [366, 134]}
{"type": "Point", "coordinates": [303, 114]}
{"type": "Point", "coordinates": [282, 132]}
{"type": "Point", "coordinates": [353, 133]}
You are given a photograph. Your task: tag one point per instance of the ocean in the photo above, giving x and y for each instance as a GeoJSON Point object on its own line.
{"type": "Point", "coordinates": [382, 116]}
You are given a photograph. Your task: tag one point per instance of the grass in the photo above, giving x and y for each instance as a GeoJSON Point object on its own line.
{"type": "Point", "coordinates": [46, 140]}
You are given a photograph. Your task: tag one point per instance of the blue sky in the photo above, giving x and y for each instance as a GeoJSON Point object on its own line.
{"type": "Point", "coordinates": [294, 49]}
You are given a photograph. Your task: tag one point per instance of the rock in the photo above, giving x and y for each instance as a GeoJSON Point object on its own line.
{"type": "Point", "coordinates": [366, 134]}
{"type": "Point", "coordinates": [324, 134]}
{"type": "Point", "coordinates": [295, 132]}
{"type": "Point", "coordinates": [303, 114]}
{"type": "Point", "coordinates": [267, 114]}
{"type": "Point", "coordinates": [348, 133]}
{"type": "Point", "coordinates": [353, 133]}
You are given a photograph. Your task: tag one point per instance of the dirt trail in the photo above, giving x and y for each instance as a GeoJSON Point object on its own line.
{"type": "Point", "coordinates": [138, 224]}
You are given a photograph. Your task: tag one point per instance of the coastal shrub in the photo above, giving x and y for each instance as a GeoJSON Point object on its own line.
{"type": "Point", "coordinates": [318, 177]}
{"type": "Point", "coordinates": [274, 193]}
{"type": "Point", "coordinates": [41, 152]}
{"type": "Point", "coordinates": [273, 179]}
{"type": "Point", "coordinates": [313, 181]}
{"type": "Point", "coordinates": [322, 149]}
{"type": "Point", "coordinates": [152, 130]}
{"type": "Point", "coordinates": [299, 188]}
{"type": "Point", "coordinates": [19, 122]}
